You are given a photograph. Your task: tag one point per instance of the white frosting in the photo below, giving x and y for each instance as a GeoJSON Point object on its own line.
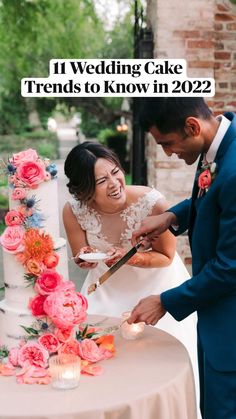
{"type": "Point", "coordinates": [16, 289]}
{"type": "Point", "coordinates": [11, 320]}
{"type": "Point", "coordinates": [14, 310]}
{"type": "Point", "coordinates": [47, 197]}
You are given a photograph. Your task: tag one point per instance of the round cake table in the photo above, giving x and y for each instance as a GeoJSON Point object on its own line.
{"type": "Point", "coordinates": [148, 378]}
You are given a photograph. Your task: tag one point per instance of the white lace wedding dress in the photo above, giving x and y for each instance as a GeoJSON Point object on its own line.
{"type": "Point", "coordinates": [129, 284]}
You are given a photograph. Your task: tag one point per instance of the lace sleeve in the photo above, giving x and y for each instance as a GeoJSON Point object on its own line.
{"type": "Point", "coordinates": [86, 217]}
{"type": "Point", "coordinates": [136, 212]}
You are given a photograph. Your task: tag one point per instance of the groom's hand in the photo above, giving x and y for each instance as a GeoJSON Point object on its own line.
{"type": "Point", "coordinates": [149, 310]}
{"type": "Point", "coordinates": [154, 225]}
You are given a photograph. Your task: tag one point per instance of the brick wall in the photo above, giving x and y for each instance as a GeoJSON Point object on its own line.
{"type": "Point", "coordinates": [204, 33]}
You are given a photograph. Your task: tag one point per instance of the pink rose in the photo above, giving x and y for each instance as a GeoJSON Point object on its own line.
{"type": "Point", "coordinates": [47, 282]}
{"type": "Point", "coordinates": [22, 156]}
{"type": "Point", "coordinates": [204, 179]}
{"type": "Point", "coordinates": [70, 347]}
{"type": "Point", "coordinates": [34, 354]}
{"type": "Point", "coordinates": [19, 194]}
{"type": "Point", "coordinates": [90, 351]}
{"type": "Point", "coordinates": [14, 218]}
{"type": "Point", "coordinates": [63, 335]}
{"type": "Point", "coordinates": [36, 305]}
{"type": "Point", "coordinates": [31, 173]}
{"type": "Point", "coordinates": [33, 267]}
{"type": "Point", "coordinates": [65, 308]}
{"type": "Point", "coordinates": [49, 342]}
{"type": "Point", "coordinates": [12, 237]}
{"type": "Point", "coordinates": [51, 260]}
{"type": "Point", "coordinates": [13, 356]}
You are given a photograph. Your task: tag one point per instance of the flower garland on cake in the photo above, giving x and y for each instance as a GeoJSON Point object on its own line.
{"type": "Point", "coordinates": [58, 309]}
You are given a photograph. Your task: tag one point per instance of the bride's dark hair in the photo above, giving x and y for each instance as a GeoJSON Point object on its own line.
{"type": "Point", "coordinates": [79, 168]}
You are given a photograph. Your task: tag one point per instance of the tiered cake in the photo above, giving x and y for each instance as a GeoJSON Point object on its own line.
{"type": "Point", "coordinates": [31, 243]}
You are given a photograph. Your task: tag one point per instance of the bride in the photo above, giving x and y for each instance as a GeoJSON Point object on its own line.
{"type": "Point", "coordinates": [101, 217]}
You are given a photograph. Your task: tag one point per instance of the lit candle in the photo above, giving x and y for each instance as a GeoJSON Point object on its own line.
{"type": "Point", "coordinates": [131, 331]}
{"type": "Point", "coordinates": [65, 371]}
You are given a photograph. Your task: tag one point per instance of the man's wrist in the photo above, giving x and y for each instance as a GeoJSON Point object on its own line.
{"type": "Point", "coordinates": [173, 220]}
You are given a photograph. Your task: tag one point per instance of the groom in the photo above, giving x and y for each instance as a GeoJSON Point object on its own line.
{"type": "Point", "coordinates": [186, 127]}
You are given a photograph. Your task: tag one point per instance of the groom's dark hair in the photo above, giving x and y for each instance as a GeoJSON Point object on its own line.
{"type": "Point", "coordinates": [169, 114]}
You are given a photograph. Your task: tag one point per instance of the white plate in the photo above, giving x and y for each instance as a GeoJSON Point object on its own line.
{"type": "Point", "coordinates": [93, 257]}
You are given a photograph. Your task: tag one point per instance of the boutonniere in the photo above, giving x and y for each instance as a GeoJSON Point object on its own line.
{"type": "Point", "coordinates": [205, 178]}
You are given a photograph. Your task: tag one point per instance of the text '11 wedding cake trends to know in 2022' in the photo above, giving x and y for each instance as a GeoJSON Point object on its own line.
{"type": "Point", "coordinates": [42, 314]}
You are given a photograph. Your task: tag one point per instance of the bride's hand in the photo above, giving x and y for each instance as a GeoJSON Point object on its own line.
{"type": "Point", "coordinates": [114, 254]}
{"type": "Point", "coordinates": [82, 263]}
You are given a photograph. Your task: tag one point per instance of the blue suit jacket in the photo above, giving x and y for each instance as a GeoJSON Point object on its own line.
{"type": "Point", "coordinates": [211, 224]}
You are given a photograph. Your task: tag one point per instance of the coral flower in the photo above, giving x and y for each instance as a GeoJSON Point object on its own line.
{"type": "Point", "coordinates": [37, 245]}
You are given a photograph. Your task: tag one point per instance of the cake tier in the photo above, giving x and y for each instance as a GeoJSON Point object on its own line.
{"type": "Point", "coordinates": [46, 197]}
{"type": "Point", "coordinates": [17, 293]}
{"type": "Point", "coordinates": [11, 320]}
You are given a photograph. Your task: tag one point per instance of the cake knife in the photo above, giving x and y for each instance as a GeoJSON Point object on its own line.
{"type": "Point", "coordinates": [114, 268]}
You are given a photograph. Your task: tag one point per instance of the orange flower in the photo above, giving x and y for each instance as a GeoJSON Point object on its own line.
{"type": "Point", "coordinates": [106, 342]}
{"type": "Point", "coordinates": [37, 245]}
{"type": "Point", "coordinates": [33, 267]}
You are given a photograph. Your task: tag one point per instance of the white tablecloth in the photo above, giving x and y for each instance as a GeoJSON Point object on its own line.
{"type": "Point", "coordinates": [149, 378]}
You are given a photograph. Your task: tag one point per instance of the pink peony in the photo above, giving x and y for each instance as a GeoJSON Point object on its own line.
{"type": "Point", "coordinates": [70, 347]}
{"type": "Point", "coordinates": [49, 342]}
{"type": "Point", "coordinates": [47, 282]}
{"type": "Point", "coordinates": [31, 173]}
{"type": "Point", "coordinates": [14, 218]}
{"type": "Point", "coordinates": [51, 260]}
{"type": "Point", "coordinates": [36, 305]}
{"type": "Point", "coordinates": [22, 156]}
{"type": "Point", "coordinates": [12, 237]}
{"type": "Point", "coordinates": [34, 354]}
{"type": "Point", "coordinates": [90, 351]}
{"type": "Point", "coordinates": [19, 194]}
{"type": "Point", "coordinates": [66, 286]}
{"type": "Point", "coordinates": [13, 356]}
{"type": "Point", "coordinates": [65, 308]}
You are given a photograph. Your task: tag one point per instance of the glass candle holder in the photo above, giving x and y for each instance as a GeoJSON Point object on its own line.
{"type": "Point", "coordinates": [65, 371]}
{"type": "Point", "coordinates": [131, 331]}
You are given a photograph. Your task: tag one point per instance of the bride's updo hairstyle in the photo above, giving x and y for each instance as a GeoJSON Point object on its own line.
{"type": "Point", "coordinates": [79, 168]}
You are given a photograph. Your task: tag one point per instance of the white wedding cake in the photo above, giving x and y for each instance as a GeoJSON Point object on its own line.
{"type": "Point", "coordinates": [31, 243]}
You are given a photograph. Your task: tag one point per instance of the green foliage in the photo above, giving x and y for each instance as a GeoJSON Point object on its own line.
{"type": "Point", "coordinates": [42, 141]}
{"type": "Point", "coordinates": [2, 226]}
{"type": "Point", "coordinates": [90, 124]}
{"type": "Point", "coordinates": [104, 134]}
{"type": "Point", "coordinates": [32, 33]}
{"type": "Point", "coordinates": [3, 352]}
{"type": "Point", "coordinates": [3, 202]}
{"type": "Point", "coordinates": [128, 179]}
{"type": "Point", "coordinates": [119, 41]}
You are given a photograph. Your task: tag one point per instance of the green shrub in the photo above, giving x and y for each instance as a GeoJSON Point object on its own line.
{"type": "Point", "coordinates": [10, 144]}
{"type": "Point", "coordinates": [3, 201]}
{"type": "Point", "coordinates": [2, 227]}
{"type": "Point", "coordinates": [47, 150]}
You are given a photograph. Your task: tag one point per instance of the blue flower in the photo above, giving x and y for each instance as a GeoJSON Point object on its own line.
{"type": "Point", "coordinates": [52, 169]}
{"type": "Point", "coordinates": [11, 169]}
{"type": "Point", "coordinates": [36, 220]}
